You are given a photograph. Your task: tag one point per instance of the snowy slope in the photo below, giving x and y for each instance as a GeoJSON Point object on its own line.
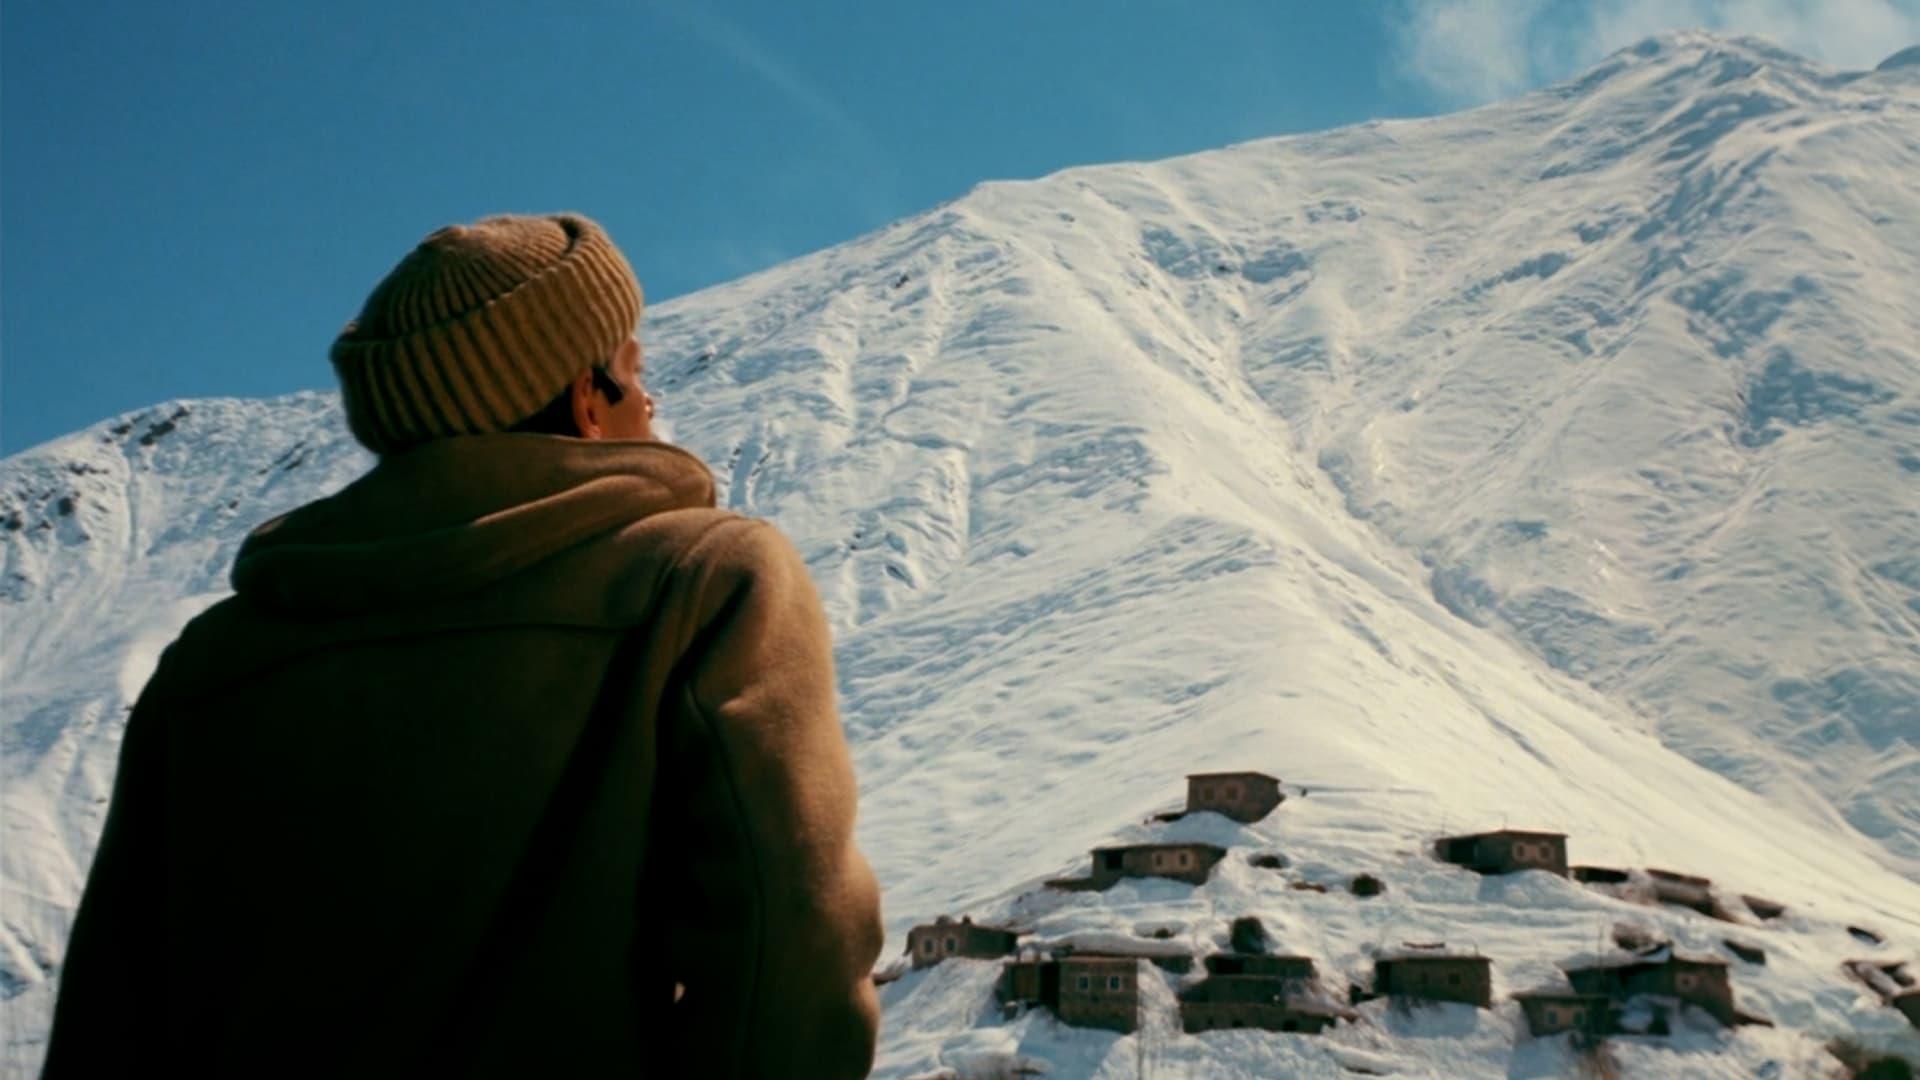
{"type": "Point", "coordinates": [1550, 464]}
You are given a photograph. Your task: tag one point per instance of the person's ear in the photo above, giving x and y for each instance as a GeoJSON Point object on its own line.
{"type": "Point", "coordinates": [580, 392]}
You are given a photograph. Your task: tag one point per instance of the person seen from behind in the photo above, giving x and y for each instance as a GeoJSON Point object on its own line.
{"type": "Point", "coordinates": [514, 757]}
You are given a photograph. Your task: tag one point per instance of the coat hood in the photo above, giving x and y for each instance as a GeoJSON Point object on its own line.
{"type": "Point", "coordinates": [457, 514]}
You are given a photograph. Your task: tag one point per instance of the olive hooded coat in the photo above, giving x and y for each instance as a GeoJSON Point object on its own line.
{"type": "Point", "coordinates": [513, 758]}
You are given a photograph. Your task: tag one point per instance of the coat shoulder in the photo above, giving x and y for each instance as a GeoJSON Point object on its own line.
{"type": "Point", "coordinates": [625, 574]}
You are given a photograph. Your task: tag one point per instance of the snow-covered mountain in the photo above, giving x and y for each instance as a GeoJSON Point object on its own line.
{"type": "Point", "coordinates": [1552, 465]}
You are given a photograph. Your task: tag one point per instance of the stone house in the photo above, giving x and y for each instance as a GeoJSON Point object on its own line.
{"type": "Point", "coordinates": [930, 943]}
{"type": "Point", "coordinates": [1272, 965]}
{"type": "Point", "coordinates": [1030, 982]}
{"type": "Point", "coordinates": [1551, 1012]}
{"type": "Point", "coordinates": [1505, 851]}
{"type": "Point", "coordinates": [1177, 963]}
{"type": "Point", "coordinates": [1240, 990]}
{"type": "Point", "coordinates": [1085, 991]}
{"type": "Point", "coordinates": [1099, 992]}
{"type": "Point", "coordinates": [1306, 1017]}
{"type": "Point", "coordinates": [1601, 875]}
{"type": "Point", "coordinates": [1188, 862]}
{"type": "Point", "coordinates": [1245, 797]}
{"type": "Point", "coordinates": [1295, 975]}
{"type": "Point", "coordinates": [1685, 890]}
{"type": "Point", "coordinates": [1435, 976]}
{"type": "Point", "coordinates": [1700, 981]}
{"type": "Point", "coordinates": [1256, 990]}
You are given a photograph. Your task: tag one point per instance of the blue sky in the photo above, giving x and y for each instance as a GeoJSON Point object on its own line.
{"type": "Point", "coordinates": [194, 197]}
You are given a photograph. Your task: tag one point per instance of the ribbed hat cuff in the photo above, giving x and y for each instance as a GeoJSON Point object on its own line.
{"type": "Point", "coordinates": [490, 367]}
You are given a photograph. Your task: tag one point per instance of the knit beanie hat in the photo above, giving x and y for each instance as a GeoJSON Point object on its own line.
{"type": "Point", "coordinates": [482, 325]}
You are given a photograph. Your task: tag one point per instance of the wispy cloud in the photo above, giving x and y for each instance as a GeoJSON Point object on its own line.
{"type": "Point", "coordinates": [850, 161]}
{"type": "Point", "coordinates": [743, 49]}
{"type": "Point", "coordinates": [1471, 51]}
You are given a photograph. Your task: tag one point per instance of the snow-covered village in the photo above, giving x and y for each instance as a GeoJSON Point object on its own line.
{"type": "Point", "coordinates": [1669, 959]}
{"type": "Point", "coordinates": [1425, 597]}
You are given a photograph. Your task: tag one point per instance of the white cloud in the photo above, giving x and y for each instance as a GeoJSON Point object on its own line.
{"type": "Point", "coordinates": [1470, 51]}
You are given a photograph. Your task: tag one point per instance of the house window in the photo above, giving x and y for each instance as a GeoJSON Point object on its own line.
{"type": "Point", "coordinates": [1113, 982]}
{"type": "Point", "coordinates": [1186, 858]}
{"type": "Point", "coordinates": [952, 946]}
{"type": "Point", "coordinates": [1159, 860]}
{"type": "Point", "coordinates": [1233, 791]}
{"type": "Point", "coordinates": [1084, 982]}
{"type": "Point", "coordinates": [928, 945]}
{"type": "Point", "coordinates": [1553, 1016]}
